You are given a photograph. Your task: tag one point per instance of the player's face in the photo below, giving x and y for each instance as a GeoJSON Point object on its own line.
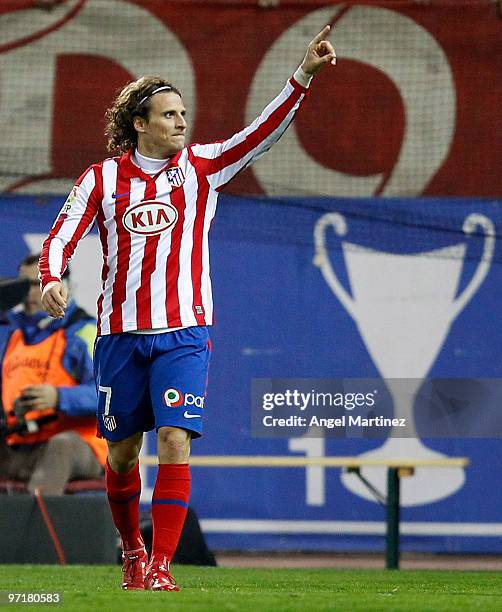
{"type": "Point", "coordinates": [33, 301]}
{"type": "Point", "coordinates": [163, 134]}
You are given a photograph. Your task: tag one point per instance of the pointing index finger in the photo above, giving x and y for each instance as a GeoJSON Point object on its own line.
{"type": "Point", "coordinates": [322, 34]}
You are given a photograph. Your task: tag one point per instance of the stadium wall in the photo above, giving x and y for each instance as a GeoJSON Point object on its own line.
{"type": "Point", "coordinates": [276, 315]}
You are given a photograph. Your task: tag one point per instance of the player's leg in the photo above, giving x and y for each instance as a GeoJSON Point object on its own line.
{"type": "Point", "coordinates": [178, 378]}
{"type": "Point", "coordinates": [170, 499]}
{"type": "Point", "coordinates": [123, 486]}
{"type": "Point", "coordinates": [124, 412]}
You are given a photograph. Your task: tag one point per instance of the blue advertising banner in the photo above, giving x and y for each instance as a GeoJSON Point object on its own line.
{"type": "Point", "coordinates": [325, 289]}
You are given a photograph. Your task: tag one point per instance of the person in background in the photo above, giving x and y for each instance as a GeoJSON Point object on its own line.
{"type": "Point", "coordinates": [48, 394]}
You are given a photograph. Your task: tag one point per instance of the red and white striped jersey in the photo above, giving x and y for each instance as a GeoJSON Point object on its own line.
{"type": "Point", "coordinates": [154, 229]}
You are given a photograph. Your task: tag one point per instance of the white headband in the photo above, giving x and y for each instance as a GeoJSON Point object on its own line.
{"type": "Point", "coordinates": [163, 88]}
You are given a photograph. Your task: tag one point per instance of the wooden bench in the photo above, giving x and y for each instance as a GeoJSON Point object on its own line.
{"type": "Point", "coordinates": [396, 468]}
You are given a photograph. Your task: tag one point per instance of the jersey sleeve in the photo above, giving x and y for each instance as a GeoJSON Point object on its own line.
{"type": "Point", "coordinates": [73, 223]}
{"type": "Point", "coordinates": [223, 160]}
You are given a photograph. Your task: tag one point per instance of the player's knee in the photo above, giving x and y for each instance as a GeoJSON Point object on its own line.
{"type": "Point", "coordinates": [120, 465]}
{"type": "Point", "coordinates": [121, 462]}
{"type": "Point", "coordinates": [123, 455]}
{"type": "Point", "coordinates": [173, 444]}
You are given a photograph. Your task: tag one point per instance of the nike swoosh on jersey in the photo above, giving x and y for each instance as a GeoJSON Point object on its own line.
{"type": "Point", "coordinates": [116, 196]}
{"type": "Point", "coordinates": [187, 415]}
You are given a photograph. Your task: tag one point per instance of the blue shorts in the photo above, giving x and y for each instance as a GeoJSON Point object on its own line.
{"type": "Point", "coordinates": [148, 381]}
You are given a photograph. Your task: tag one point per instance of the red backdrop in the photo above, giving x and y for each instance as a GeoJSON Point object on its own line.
{"type": "Point", "coordinates": [227, 41]}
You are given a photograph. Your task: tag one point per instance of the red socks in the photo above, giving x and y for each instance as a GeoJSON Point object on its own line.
{"type": "Point", "coordinates": [169, 508]}
{"type": "Point", "coordinates": [123, 492]}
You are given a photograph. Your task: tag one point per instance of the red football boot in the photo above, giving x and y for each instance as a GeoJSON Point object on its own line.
{"type": "Point", "coordinates": [134, 566]}
{"type": "Point", "coordinates": [158, 577]}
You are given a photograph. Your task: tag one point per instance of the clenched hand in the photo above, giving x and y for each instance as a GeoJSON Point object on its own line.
{"type": "Point", "coordinates": [54, 299]}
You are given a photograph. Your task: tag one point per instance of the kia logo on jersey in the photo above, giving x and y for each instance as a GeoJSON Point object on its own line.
{"type": "Point", "coordinates": [150, 217]}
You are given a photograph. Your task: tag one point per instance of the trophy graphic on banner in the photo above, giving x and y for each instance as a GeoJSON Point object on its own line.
{"type": "Point", "coordinates": [403, 306]}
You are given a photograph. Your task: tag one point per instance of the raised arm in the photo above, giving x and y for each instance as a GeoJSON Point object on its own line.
{"type": "Point", "coordinates": [72, 224]}
{"type": "Point", "coordinates": [223, 160]}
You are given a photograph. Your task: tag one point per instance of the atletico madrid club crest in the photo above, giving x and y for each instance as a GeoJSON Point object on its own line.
{"type": "Point", "coordinates": [175, 176]}
{"type": "Point", "coordinates": [109, 422]}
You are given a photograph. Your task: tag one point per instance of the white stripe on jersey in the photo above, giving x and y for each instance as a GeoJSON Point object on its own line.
{"type": "Point", "coordinates": [56, 257]}
{"type": "Point", "coordinates": [185, 285]}
{"type": "Point", "coordinates": [206, 291]}
{"type": "Point", "coordinates": [133, 279]}
{"type": "Point", "coordinates": [158, 279]}
{"type": "Point", "coordinates": [109, 182]}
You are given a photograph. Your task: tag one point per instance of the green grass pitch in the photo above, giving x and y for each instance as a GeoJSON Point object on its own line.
{"type": "Point", "coordinates": [259, 590]}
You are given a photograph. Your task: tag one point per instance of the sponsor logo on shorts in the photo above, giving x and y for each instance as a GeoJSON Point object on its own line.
{"type": "Point", "coordinates": [174, 398]}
